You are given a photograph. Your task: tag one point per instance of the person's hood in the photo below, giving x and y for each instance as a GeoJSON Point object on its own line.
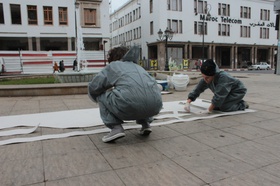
{"type": "Point", "coordinates": [132, 54]}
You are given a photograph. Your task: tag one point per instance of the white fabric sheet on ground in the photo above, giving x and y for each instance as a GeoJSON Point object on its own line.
{"type": "Point", "coordinates": [90, 118]}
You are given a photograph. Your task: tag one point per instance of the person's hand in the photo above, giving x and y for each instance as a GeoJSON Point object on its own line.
{"type": "Point", "coordinates": [204, 112]}
{"type": "Point", "coordinates": [187, 107]}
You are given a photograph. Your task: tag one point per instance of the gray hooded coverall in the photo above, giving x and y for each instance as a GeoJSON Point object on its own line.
{"type": "Point", "coordinates": [228, 92]}
{"type": "Point", "coordinates": [125, 91]}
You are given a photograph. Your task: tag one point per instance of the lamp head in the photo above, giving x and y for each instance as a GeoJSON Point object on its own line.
{"type": "Point", "coordinates": [160, 34]}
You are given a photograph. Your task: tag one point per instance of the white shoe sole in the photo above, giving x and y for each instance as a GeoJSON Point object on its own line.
{"type": "Point", "coordinates": [113, 138]}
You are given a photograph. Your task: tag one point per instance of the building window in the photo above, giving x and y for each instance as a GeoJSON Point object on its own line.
{"type": "Point", "coordinates": [175, 25]}
{"type": "Point", "coordinates": [151, 6]}
{"type": "Point", "coordinates": [224, 30]}
{"type": "Point", "coordinates": [265, 15]}
{"type": "Point", "coordinates": [48, 18]}
{"type": "Point", "coordinates": [200, 7]}
{"type": "Point", "coordinates": [174, 5]}
{"type": "Point", "coordinates": [32, 15]}
{"type": "Point", "coordinates": [224, 9]}
{"type": "Point", "coordinates": [151, 28]}
{"type": "Point", "coordinates": [264, 33]}
{"type": "Point", "coordinates": [90, 16]}
{"type": "Point", "coordinates": [1, 14]}
{"type": "Point", "coordinates": [15, 14]}
{"type": "Point", "coordinates": [198, 28]}
{"type": "Point", "coordinates": [245, 31]}
{"type": "Point", "coordinates": [63, 15]}
{"type": "Point", "coordinates": [245, 12]}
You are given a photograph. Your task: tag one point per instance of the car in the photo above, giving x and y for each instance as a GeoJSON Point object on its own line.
{"type": "Point", "coordinates": [260, 66]}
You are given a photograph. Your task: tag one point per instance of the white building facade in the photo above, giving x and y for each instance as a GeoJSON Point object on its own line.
{"type": "Point", "coordinates": [45, 25]}
{"type": "Point", "coordinates": [34, 34]}
{"type": "Point", "coordinates": [235, 32]}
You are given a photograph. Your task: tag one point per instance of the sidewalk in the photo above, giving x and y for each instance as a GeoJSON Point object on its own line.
{"type": "Point", "coordinates": [241, 150]}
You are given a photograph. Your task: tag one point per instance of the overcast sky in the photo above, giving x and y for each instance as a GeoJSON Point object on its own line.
{"type": "Point", "coordinates": [115, 4]}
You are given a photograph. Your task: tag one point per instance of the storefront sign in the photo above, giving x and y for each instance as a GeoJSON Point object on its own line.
{"type": "Point", "coordinates": [223, 19]}
{"type": "Point", "coordinates": [234, 21]}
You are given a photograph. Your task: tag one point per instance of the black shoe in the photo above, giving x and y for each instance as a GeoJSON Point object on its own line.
{"type": "Point", "coordinates": [145, 130]}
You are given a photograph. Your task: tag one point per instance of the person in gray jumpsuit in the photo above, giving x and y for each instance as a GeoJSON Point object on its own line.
{"type": "Point", "coordinates": [228, 91]}
{"type": "Point", "coordinates": [125, 91]}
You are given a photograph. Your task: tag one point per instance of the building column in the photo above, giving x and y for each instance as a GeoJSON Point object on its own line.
{"type": "Point", "coordinates": [252, 54]}
{"type": "Point", "coordinates": [210, 55]}
{"type": "Point", "coordinates": [271, 59]}
{"type": "Point", "coordinates": [69, 42]}
{"type": "Point", "coordinates": [190, 51]}
{"type": "Point", "coordinates": [235, 56]}
{"type": "Point", "coordinates": [186, 51]}
{"type": "Point", "coordinates": [38, 44]}
{"type": "Point", "coordinates": [232, 57]}
{"type": "Point", "coordinates": [214, 52]}
{"type": "Point", "coordinates": [161, 56]}
{"type": "Point", "coordinates": [256, 55]}
{"type": "Point", "coordinates": [30, 46]}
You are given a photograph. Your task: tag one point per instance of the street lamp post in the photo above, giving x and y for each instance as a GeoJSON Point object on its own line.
{"type": "Point", "coordinates": [168, 34]}
{"type": "Point", "coordinates": [76, 34]}
{"type": "Point", "coordinates": [104, 52]}
{"type": "Point", "coordinates": [203, 27]}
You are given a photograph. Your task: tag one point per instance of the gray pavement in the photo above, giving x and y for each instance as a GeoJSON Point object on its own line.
{"type": "Point", "coordinates": [240, 150]}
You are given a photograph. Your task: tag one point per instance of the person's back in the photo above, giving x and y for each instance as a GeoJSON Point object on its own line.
{"type": "Point", "coordinates": [133, 88]}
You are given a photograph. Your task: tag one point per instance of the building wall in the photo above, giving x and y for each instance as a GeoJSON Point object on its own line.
{"type": "Point", "coordinates": [65, 34]}
{"type": "Point", "coordinates": [231, 47]}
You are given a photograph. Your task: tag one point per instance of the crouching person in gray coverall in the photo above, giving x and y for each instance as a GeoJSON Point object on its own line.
{"type": "Point", "coordinates": [125, 91]}
{"type": "Point", "coordinates": [228, 91]}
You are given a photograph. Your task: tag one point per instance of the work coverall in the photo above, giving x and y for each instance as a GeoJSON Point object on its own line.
{"type": "Point", "coordinates": [228, 92]}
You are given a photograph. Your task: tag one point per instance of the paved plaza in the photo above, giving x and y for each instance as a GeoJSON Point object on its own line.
{"type": "Point", "coordinates": [238, 150]}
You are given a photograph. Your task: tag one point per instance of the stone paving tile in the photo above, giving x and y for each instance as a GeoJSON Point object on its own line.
{"type": "Point", "coordinates": [270, 124]}
{"type": "Point", "coordinates": [24, 111]}
{"type": "Point", "coordinates": [26, 104]}
{"type": "Point", "coordinates": [271, 141]}
{"type": "Point", "coordinates": [160, 173]}
{"type": "Point", "coordinates": [37, 184]}
{"type": "Point", "coordinates": [131, 155]}
{"type": "Point", "coordinates": [6, 106]}
{"type": "Point", "coordinates": [251, 152]}
{"type": "Point", "coordinates": [67, 145]}
{"type": "Point", "coordinates": [216, 138]}
{"type": "Point", "coordinates": [20, 151]}
{"type": "Point", "coordinates": [246, 118]}
{"type": "Point", "coordinates": [252, 178]}
{"type": "Point", "coordinates": [74, 164]}
{"type": "Point", "coordinates": [51, 103]}
{"type": "Point", "coordinates": [211, 165]}
{"type": "Point", "coordinates": [273, 169]}
{"type": "Point", "coordinates": [265, 115]}
{"type": "Point", "coordinates": [190, 127]}
{"type": "Point", "coordinates": [98, 179]}
{"type": "Point", "coordinates": [248, 132]}
{"type": "Point", "coordinates": [221, 122]}
{"type": "Point", "coordinates": [21, 172]}
{"type": "Point", "coordinates": [177, 146]}
{"type": "Point", "coordinates": [74, 104]}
